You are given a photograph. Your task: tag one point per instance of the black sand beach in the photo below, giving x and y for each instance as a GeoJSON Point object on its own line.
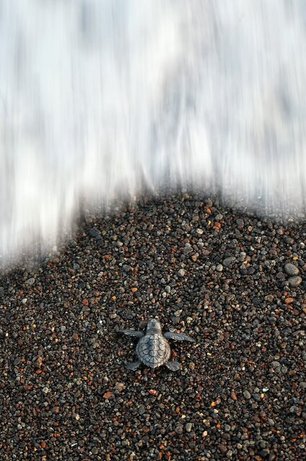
{"type": "Point", "coordinates": [234, 282]}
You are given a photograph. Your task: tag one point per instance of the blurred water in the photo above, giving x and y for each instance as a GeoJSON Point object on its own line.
{"type": "Point", "coordinates": [104, 97]}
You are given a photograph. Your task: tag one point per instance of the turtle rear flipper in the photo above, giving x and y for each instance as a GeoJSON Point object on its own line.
{"type": "Point", "coordinates": [133, 365]}
{"type": "Point", "coordinates": [173, 366]}
{"type": "Point", "coordinates": [178, 336]}
{"type": "Point", "coordinates": [136, 334]}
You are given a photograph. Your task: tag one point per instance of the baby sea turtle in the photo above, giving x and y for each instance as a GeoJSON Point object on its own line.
{"type": "Point", "coordinates": [153, 349]}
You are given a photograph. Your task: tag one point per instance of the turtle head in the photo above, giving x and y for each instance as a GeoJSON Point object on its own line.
{"type": "Point", "coordinates": [153, 326]}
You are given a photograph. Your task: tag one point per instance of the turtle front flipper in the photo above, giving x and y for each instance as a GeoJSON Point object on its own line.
{"type": "Point", "coordinates": [173, 366]}
{"type": "Point", "coordinates": [136, 334]}
{"type": "Point", "coordinates": [178, 336]}
{"type": "Point", "coordinates": [133, 365]}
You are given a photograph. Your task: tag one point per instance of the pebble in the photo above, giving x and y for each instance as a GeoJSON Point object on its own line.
{"type": "Point", "coordinates": [222, 448]}
{"type": "Point", "coordinates": [95, 233]}
{"type": "Point", "coordinates": [127, 314]}
{"type": "Point", "coordinates": [291, 269]}
{"type": "Point", "coordinates": [295, 281]}
{"type": "Point", "coordinates": [30, 281]}
{"type": "Point", "coordinates": [120, 387]}
{"type": "Point", "coordinates": [141, 409]}
{"type": "Point", "coordinates": [179, 429]}
{"type": "Point", "coordinates": [126, 268]}
{"type": "Point", "coordinates": [229, 261]}
{"type": "Point", "coordinates": [188, 427]}
{"type": "Point", "coordinates": [240, 223]}
{"type": "Point", "coordinates": [247, 395]}
{"type": "Point", "coordinates": [269, 298]}
{"type": "Point", "coordinates": [187, 248]}
{"type": "Point", "coordinates": [182, 272]}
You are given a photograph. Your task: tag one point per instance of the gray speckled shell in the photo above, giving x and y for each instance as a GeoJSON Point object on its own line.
{"type": "Point", "coordinates": [153, 350]}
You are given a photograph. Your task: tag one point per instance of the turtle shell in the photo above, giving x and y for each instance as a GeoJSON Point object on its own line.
{"type": "Point", "coordinates": [153, 350]}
